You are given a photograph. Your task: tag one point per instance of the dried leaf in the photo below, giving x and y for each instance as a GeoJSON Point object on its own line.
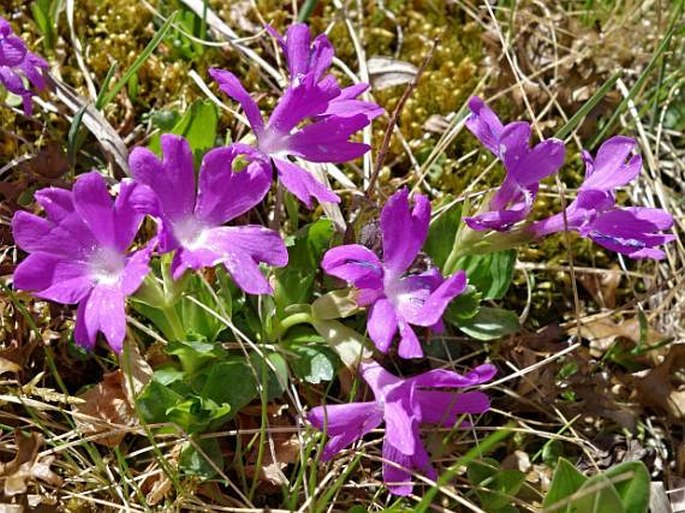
{"type": "Point", "coordinates": [661, 389]}
{"type": "Point", "coordinates": [51, 162]}
{"type": "Point", "coordinates": [107, 404]}
{"type": "Point", "coordinates": [8, 366]}
{"type": "Point", "coordinates": [27, 465]}
{"type": "Point", "coordinates": [386, 72]}
{"type": "Point", "coordinates": [603, 332]}
{"type": "Point", "coordinates": [602, 287]}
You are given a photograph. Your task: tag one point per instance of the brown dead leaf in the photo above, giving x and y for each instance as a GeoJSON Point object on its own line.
{"type": "Point", "coordinates": [663, 387]}
{"type": "Point", "coordinates": [27, 465]}
{"type": "Point", "coordinates": [603, 332]}
{"type": "Point", "coordinates": [109, 410]}
{"type": "Point", "coordinates": [286, 446]}
{"type": "Point", "coordinates": [51, 162]}
{"type": "Point", "coordinates": [602, 287]}
{"type": "Point", "coordinates": [8, 366]}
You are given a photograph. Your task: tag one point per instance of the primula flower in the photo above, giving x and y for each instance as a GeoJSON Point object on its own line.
{"type": "Point", "coordinates": [403, 404]}
{"type": "Point", "coordinates": [191, 223]}
{"type": "Point", "coordinates": [632, 231]}
{"type": "Point", "coordinates": [17, 62]}
{"type": "Point", "coordinates": [525, 166]}
{"type": "Point", "coordinates": [79, 254]}
{"type": "Point", "coordinates": [334, 113]}
{"type": "Point", "coordinates": [397, 299]}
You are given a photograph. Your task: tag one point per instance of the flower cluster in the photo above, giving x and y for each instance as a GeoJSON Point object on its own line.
{"type": "Point", "coordinates": [89, 248]}
{"type": "Point", "coordinates": [397, 299]}
{"type": "Point", "coordinates": [632, 231]}
{"type": "Point", "coordinates": [17, 64]}
{"type": "Point", "coordinates": [403, 404]}
{"type": "Point", "coordinates": [313, 120]}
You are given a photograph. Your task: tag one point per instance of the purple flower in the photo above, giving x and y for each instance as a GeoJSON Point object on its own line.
{"type": "Point", "coordinates": [17, 62]}
{"type": "Point", "coordinates": [79, 254]}
{"type": "Point", "coordinates": [633, 231]}
{"type": "Point", "coordinates": [396, 299]}
{"type": "Point", "coordinates": [525, 166]}
{"type": "Point", "coordinates": [192, 224]}
{"type": "Point", "coordinates": [403, 404]}
{"type": "Point", "coordinates": [334, 113]}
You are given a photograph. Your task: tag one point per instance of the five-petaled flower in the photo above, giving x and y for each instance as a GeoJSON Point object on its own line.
{"type": "Point", "coordinates": [192, 223]}
{"type": "Point", "coordinates": [334, 115]}
{"type": "Point", "coordinates": [397, 299]}
{"type": "Point", "coordinates": [525, 166]}
{"type": "Point", "coordinates": [16, 62]}
{"type": "Point", "coordinates": [403, 403]}
{"type": "Point", "coordinates": [632, 231]}
{"type": "Point", "coordinates": [79, 254]}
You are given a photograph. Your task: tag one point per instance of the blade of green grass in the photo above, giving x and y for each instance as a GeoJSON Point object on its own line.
{"type": "Point", "coordinates": [152, 45]}
{"type": "Point", "coordinates": [663, 46]}
{"type": "Point", "coordinates": [476, 452]}
{"type": "Point", "coordinates": [575, 120]}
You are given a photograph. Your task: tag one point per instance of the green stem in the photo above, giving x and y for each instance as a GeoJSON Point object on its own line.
{"type": "Point", "coordinates": [283, 326]}
{"type": "Point", "coordinates": [174, 321]}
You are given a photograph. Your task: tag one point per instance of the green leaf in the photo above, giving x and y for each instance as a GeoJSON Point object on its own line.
{"type": "Point", "coordinates": [155, 400]}
{"type": "Point", "coordinates": [492, 273]}
{"type": "Point", "coordinates": [197, 414]}
{"type": "Point", "coordinates": [44, 15]}
{"type": "Point", "coordinates": [195, 319]}
{"type": "Point", "coordinates": [349, 344]}
{"type": "Point", "coordinates": [566, 481]}
{"type": "Point", "coordinates": [194, 354]}
{"type": "Point", "coordinates": [315, 363]}
{"type": "Point", "coordinates": [198, 125]}
{"type": "Point", "coordinates": [634, 492]}
{"type": "Point", "coordinates": [195, 458]}
{"type": "Point", "coordinates": [490, 324]}
{"type": "Point", "coordinates": [501, 485]}
{"type": "Point", "coordinates": [275, 381]}
{"type": "Point", "coordinates": [597, 495]}
{"type": "Point", "coordinates": [295, 283]}
{"type": "Point", "coordinates": [231, 382]}
{"type": "Point", "coordinates": [441, 234]}
{"type": "Point", "coordinates": [463, 307]}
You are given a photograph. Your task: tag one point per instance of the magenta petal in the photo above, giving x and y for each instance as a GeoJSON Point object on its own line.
{"type": "Point", "coordinates": [12, 51]}
{"type": "Point", "coordinates": [355, 264]}
{"type": "Point", "coordinates": [443, 408]}
{"type": "Point", "coordinates": [400, 427]}
{"type": "Point", "coordinates": [409, 293]}
{"type": "Point", "coordinates": [136, 269]}
{"type": "Point", "coordinates": [261, 244]}
{"type": "Point", "coordinates": [105, 312]}
{"type": "Point", "coordinates": [443, 378]}
{"type": "Point", "coordinates": [397, 476]}
{"type": "Point", "coordinates": [127, 218]}
{"type": "Point", "coordinates": [57, 203]}
{"type": "Point", "coordinates": [345, 423]}
{"type": "Point", "coordinates": [232, 87]}
{"type": "Point", "coordinates": [410, 346]}
{"type": "Point", "coordinates": [51, 277]}
{"type": "Point", "coordinates": [437, 302]}
{"type": "Point", "coordinates": [303, 185]}
{"type": "Point", "coordinates": [513, 144]}
{"type": "Point", "coordinates": [545, 159]}
{"type": "Point", "coordinates": [224, 194]}
{"type": "Point", "coordinates": [484, 124]}
{"type": "Point", "coordinates": [93, 204]}
{"type": "Point", "coordinates": [327, 140]}
{"type": "Point", "coordinates": [172, 180]}
{"type": "Point", "coordinates": [81, 335]}
{"type": "Point", "coordinates": [609, 169]}
{"type": "Point", "coordinates": [382, 324]}
{"type": "Point", "coordinates": [404, 229]}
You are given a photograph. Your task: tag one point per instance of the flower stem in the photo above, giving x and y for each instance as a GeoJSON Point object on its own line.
{"type": "Point", "coordinates": [171, 315]}
{"type": "Point", "coordinates": [281, 327]}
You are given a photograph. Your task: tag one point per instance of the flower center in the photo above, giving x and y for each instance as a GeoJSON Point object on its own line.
{"type": "Point", "coordinates": [190, 233]}
{"type": "Point", "coordinates": [107, 266]}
